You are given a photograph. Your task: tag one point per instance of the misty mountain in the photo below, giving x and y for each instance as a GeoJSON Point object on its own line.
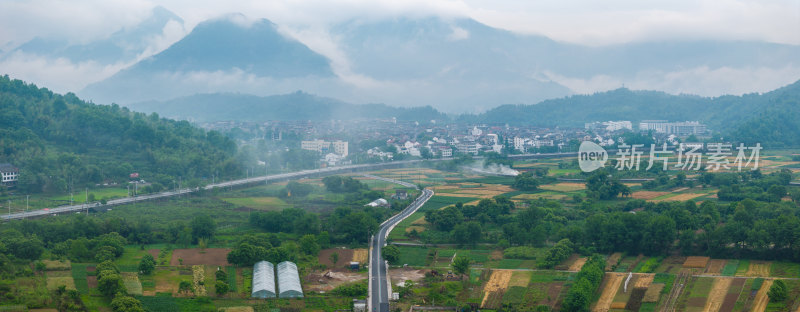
{"type": "Point", "coordinates": [215, 48]}
{"type": "Point", "coordinates": [453, 64]}
{"type": "Point", "coordinates": [293, 106]}
{"type": "Point", "coordinates": [122, 46]}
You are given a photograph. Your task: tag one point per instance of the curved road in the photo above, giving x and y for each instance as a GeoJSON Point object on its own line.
{"type": "Point", "coordinates": [379, 284]}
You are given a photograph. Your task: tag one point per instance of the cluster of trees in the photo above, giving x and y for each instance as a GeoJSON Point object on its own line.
{"type": "Point", "coordinates": [525, 182]}
{"type": "Point", "coordinates": [464, 223]}
{"type": "Point", "coordinates": [587, 281]}
{"type": "Point", "coordinates": [221, 285]}
{"type": "Point", "coordinates": [662, 181]}
{"type": "Point", "coordinates": [599, 185]}
{"type": "Point", "coordinates": [340, 184]}
{"type": "Point", "coordinates": [83, 239]}
{"type": "Point", "coordinates": [557, 254]}
{"type": "Point", "coordinates": [749, 184]}
{"type": "Point", "coordinates": [14, 244]}
{"type": "Point", "coordinates": [778, 291]}
{"type": "Point", "coordinates": [252, 248]}
{"type": "Point", "coordinates": [296, 189]}
{"type": "Point", "coordinates": [257, 247]}
{"type": "Point", "coordinates": [109, 283]}
{"type": "Point", "coordinates": [60, 141]}
{"type": "Point", "coordinates": [289, 220]}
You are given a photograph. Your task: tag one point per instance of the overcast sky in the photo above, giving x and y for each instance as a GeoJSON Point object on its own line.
{"type": "Point", "coordinates": [588, 22]}
{"type": "Point", "coordinates": [579, 21]}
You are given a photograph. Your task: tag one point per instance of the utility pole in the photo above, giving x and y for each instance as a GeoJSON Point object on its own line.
{"type": "Point", "coordinates": [27, 202]}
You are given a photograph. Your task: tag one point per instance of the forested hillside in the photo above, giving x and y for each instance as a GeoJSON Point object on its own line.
{"type": "Point", "coordinates": [778, 124]}
{"type": "Point", "coordinates": [293, 106]}
{"type": "Point", "coordinates": [59, 141]}
{"type": "Point", "coordinates": [720, 113]}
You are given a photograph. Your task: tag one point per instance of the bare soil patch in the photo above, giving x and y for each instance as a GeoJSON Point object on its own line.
{"type": "Point", "coordinates": [653, 292]}
{"type": "Point", "coordinates": [578, 264]}
{"type": "Point", "coordinates": [400, 276]}
{"type": "Point", "coordinates": [344, 257]}
{"type": "Point", "coordinates": [328, 280]}
{"type": "Point", "coordinates": [613, 260]}
{"type": "Point", "coordinates": [564, 187]}
{"type": "Point", "coordinates": [567, 263]}
{"type": "Point", "coordinates": [715, 266]}
{"type": "Point", "coordinates": [553, 291]}
{"type": "Point", "coordinates": [610, 286]}
{"type": "Point", "coordinates": [497, 283]}
{"type": "Point", "coordinates": [647, 194]}
{"type": "Point", "coordinates": [696, 262]}
{"type": "Point", "coordinates": [211, 257]}
{"type": "Point", "coordinates": [643, 280]}
{"type": "Point", "coordinates": [360, 255]}
{"type": "Point", "coordinates": [635, 301]}
{"type": "Point", "coordinates": [733, 294]}
{"type": "Point", "coordinates": [682, 197]}
{"type": "Point", "coordinates": [697, 302]}
{"type": "Point", "coordinates": [154, 252]}
{"type": "Point", "coordinates": [761, 300]}
{"type": "Point", "coordinates": [719, 289]}
{"type": "Point", "coordinates": [520, 278]}
{"type": "Point", "coordinates": [496, 255]}
{"type": "Point", "coordinates": [617, 305]}
{"type": "Point", "coordinates": [92, 281]}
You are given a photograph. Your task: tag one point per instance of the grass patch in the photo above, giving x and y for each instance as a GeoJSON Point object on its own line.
{"type": "Point", "coordinates": [514, 295]}
{"type": "Point", "coordinates": [757, 284]}
{"type": "Point", "coordinates": [53, 265]}
{"type": "Point", "coordinates": [785, 269]}
{"type": "Point", "coordinates": [414, 256]}
{"type": "Point", "coordinates": [744, 265]}
{"type": "Point", "coordinates": [701, 288]}
{"type": "Point", "coordinates": [231, 278]}
{"type": "Point", "coordinates": [508, 264]}
{"type": "Point", "coordinates": [399, 231]}
{"type": "Point", "coordinates": [108, 193]}
{"type": "Point", "coordinates": [439, 202]}
{"type": "Point", "coordinates": [475, 255]}
{"type": "Point", "coordinates": [260, 203]}
{"type": "Point", "coordinates": [79, 277]}
{"type": "Point", "coordinates": [131, 282]}
{"type": "Point", "coordinates": [648, 307]}
{"type": "Point", "coordinates": [730, 268]}
{"type": "Point", "coordinates": [131, 257]}
{"type": "Point", "coordinates": [55, 282]}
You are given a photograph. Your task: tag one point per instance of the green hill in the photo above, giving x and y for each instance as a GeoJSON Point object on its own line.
{"type": "Point", "coordinates": [57, 140]}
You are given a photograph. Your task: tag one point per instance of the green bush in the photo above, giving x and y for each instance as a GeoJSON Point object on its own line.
{"type": "Point", "coordinates": [560, 252]}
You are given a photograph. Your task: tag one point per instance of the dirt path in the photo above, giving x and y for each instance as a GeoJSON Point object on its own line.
{"type": "Point", "coordinates": [760, 303]}
{"type": "Point", "coordinates": [717, 295]}
{"type": "Point", "coordinates": [610, 287]}
{"type": "Point", "coordinates": [677, 288]}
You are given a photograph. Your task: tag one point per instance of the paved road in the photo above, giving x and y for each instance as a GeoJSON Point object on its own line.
{"type": "Point", "coordinates": [254, 180]}
{"type": "Point", "coordinates": [379, 290]}
{"type": "Point", "coordinates": [268, 178]}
